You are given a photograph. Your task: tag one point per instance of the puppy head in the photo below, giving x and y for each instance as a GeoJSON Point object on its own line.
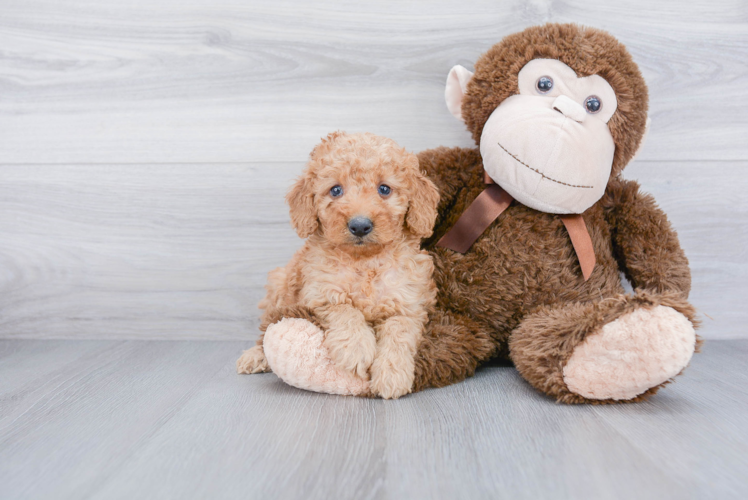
{"type": "Point", "coordinates": [362, 191]}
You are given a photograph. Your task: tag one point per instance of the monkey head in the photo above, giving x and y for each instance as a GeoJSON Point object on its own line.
{"type": "Point", "coordinates": [557, 110]}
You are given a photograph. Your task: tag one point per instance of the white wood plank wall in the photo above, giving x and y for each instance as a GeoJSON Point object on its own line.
{"type": "Point", "coordinates": [145, 146]}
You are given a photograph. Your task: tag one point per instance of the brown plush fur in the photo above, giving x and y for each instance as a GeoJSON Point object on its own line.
{"type": "Point", "coordinates": [525, 263]}
{"type": "Point", "coordinates": [450, 350]}
{"type": "Point", "coordinates": [520, 284]}
{"type": "Point", "coordinates": [542, 345]}
{"type": "Point", "coordinates": [369, 294]}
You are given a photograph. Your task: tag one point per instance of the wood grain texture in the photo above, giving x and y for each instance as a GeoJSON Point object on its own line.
{"type": "Point", "coordinates": [182, 251]}
{"type": "Point", "coordinates": [152, 251]}
{"type": "Point", "coordinates": [138, 419]}
{"type": "Point", "coordinates": [229, 81]}
{"type": "Point", "coordinates": [706, 203]}
{"type": "Point", "coordinates": [122, 216]}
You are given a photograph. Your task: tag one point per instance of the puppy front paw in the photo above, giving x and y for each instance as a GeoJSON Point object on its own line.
{"type": "Point", "coordinates": [252, 361]}
{"type": "Point", "coordinates": [352, 350]}
{"type": "Point", "coordinates": [390, 380]}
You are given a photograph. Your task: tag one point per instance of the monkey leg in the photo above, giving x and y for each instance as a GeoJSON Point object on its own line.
{"type": "Point", "coordinates": [295, 351]}
{"type": "Point", "coordinates": [253, 360]}
{"type": "Point", "coordinates": [619, 349]}
{"type": "Point", "coordinates": [451, 349]}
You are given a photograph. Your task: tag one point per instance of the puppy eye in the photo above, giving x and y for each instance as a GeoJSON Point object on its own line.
{"type": "Point", "coordinates": [336, 191]}
{"type": "Point", "coordinates": [593, 104]}
{"type": "Point", "coordinates": [544, 84]}
{"type": "Point", "coordinates": [384, 190]}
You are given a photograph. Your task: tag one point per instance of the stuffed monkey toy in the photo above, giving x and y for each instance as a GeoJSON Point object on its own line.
{"type": "Point", "coordinates": [536, 225]}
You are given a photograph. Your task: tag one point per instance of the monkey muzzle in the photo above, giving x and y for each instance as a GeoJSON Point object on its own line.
{"type": "Point", "coordinates": [548, 153]}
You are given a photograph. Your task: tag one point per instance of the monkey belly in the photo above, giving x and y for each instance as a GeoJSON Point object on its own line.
{"type": "Point", "coordinates": [524, 261]}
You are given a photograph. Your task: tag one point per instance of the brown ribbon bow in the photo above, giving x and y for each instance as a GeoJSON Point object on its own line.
{"type": "Point", "coordinates": [487, 207]}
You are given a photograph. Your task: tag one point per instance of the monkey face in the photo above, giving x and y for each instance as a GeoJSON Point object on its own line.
{"type": "Point", "coordinates": [549, 146]}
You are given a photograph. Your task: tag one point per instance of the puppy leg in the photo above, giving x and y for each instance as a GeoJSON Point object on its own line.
{"type": "Point", "coordinates": [393, 370]}
{"type": "Point", "coordinates": [349, 338]}
{"type": "Point", "coordinates": [253, 360]}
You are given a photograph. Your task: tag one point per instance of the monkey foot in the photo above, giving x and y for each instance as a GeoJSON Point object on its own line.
{"type": "Point", "coordinates": [632, 354]}
{"type": "Point", "coordinates": [295, 351]}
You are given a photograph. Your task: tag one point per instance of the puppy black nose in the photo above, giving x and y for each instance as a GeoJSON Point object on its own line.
{"type": "Point", "coordinates": [360, 226]}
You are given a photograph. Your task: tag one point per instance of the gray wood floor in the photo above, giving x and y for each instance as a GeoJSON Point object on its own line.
{"type": "Point", "coordinates": [171, 419]}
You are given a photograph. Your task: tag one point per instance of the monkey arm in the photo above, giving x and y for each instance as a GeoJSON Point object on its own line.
{"type": "Point", "coordinates": [451, 169]}
{"type": "Point", "coordinates": [645, 244]}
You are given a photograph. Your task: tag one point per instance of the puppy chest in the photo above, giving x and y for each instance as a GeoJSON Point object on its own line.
{"type": "Point", "coordinates": [380, 287]}
{"type": "Point", "coordinates": [380, 293]}
{"type": "Point", "coordinates": [371, 285]}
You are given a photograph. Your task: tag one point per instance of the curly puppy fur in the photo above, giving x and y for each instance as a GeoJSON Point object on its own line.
{"type": "Point", "coordinates": [370, 294]}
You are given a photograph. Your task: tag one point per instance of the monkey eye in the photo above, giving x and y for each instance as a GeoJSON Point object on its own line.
{"type": "Point", "coordinates": [336, 191]}
{"type": "Point", "coordinates": [384, 190]}
{"type": "Point", "coordinates": [593, 104]}
{"type": "Point", "coordinates": [544, 84]}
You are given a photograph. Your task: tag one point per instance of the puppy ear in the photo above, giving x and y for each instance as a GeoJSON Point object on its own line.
{"type": "Point", "coordinates": [303, 213]}
{"type": "Point", "coordinates": [424, 198]}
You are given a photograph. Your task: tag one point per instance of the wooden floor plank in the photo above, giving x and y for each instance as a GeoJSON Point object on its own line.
{"type": "Point", "coordinates": [171, 419]}
{"type": "Point", "coordinates": [677, 427]}
{"type": "Point", "coordinates": [259, 439]}
{"type": "Point", "coordinates": [101, 409]}
{"type": "Point", "coordinates": [34, 370]}
{"type": "Point", "coordinates": [515, 443]}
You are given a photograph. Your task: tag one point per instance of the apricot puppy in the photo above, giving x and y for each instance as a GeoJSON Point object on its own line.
{"type": "Point", "coordinates": [364, 206]}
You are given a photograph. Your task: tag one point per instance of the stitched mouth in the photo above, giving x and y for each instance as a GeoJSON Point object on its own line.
{"type": "Point", "coordinates": [541, 173]}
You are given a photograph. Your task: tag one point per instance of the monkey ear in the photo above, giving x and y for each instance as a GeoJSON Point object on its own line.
{"type": "Point", "coordinates": [644, 138]}
{"type": "Point", "coordinates": [424, 199]}
{"type": "Point", "coordinates": [457, 81]}
{"type": "Point", "coordinates": [303, 213]}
